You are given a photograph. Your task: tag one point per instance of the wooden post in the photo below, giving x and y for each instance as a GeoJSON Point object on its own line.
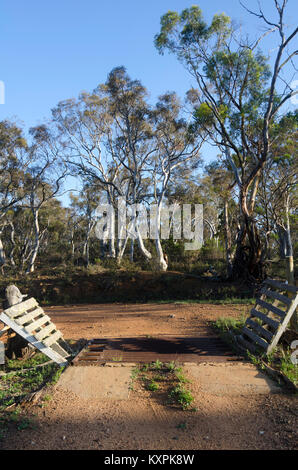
{"type": "Point", "coordinates": [2, 355]}
{"type": "Point", "coordinates": [16, 345]}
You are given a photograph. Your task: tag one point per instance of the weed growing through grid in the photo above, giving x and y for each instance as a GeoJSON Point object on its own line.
{"type": "Point", "coordinates": [117, 359]}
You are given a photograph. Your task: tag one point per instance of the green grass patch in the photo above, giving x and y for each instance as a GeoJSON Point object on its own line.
{"type": "Point", "coordinates": [19, 383]}
{"type": "Point", "coordinates": [182, 396]}
{"type": "Point", "coordinates": [234, 325]}
{"type": "Point", "coordinates": [17, 364]}
{"type": "Point", "coordinates": [287, 367]}
{"type": "Point", "coordinates": [157, 365]}
{"type": "Point", "coordinates": [14, 420]}
{"type": "Point", "coordinates": [167, 381]}
{"type": "Point", "coordinates": [152, 386]}
{"type": "Point", "coordinates": [15, 386]}
{"type": "Point", "coordinates": [279, 359]}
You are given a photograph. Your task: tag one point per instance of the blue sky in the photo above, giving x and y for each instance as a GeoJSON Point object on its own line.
{"type": "Point", "coordinates": [52, 50]}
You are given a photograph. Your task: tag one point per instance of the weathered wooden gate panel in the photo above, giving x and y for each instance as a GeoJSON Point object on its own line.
{"type": "Point", "coordinates": [270, 316]}
{"type": "Point", "coordinates": [29, 320]}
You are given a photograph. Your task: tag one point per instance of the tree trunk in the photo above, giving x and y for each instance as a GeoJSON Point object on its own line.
{"type": "Point", "coordinates": [121, 245]}
{"type": "Point", "coordinates": [91, 224]}
{"type": "Point", "coordinates": [13, 245]}
{"type": "Point", "coordinates": [2, 252]}
{"type": "Point", "coordinates": [161, 262]}
{"type": "Point", "coordinates": [72, 246]}
{"type": "Point", "coordinates": [228, 239]}
{"type": "Point", "coordinates": [141, 245]}
{"type": "Point", "coordinates": [248, 262]}
{"type": "Point", "coordinates": [131, 252]}
{"type": "Point", "coordinates": [31, 266]}
{"type": "Point", "coordinates": [112, 236]}
{"type": "Point", "coordinates": [286, 253]}
{"type": "Point", "coordinates": [290, 264]}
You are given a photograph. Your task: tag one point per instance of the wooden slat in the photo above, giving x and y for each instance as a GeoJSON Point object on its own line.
{"type": "Point", "coordinates": [259, 329]}
{"type": "Point", "coordinates": [37, 323]}
{"type": "Point", "coordinates": [277, 296]}
{"type": "Point", "coordinates": [246, 344]}
{"type": "Point", "coordinates": [257, 333]}
{"type": "Point", "coordinates": [269, 321]}
{"type": "Point", "coordinates": [59, 349]}
{"type": "Point", "coordinates": [29, 316]}
{"type": "Point", "coordinates": [64, 344]}
{"type": "Point", "coordinates": [284, 324]}
{"type": "Point", "coordinates": [271, 308]}
{"type": "Point", "coordinates": [281, 285]}
{"type": "Point", "coordinates": [31, 339]}
{"type": "Point", "coordinates": [44, 332]}
{"type": "Point", "coordinates": [53, 338]}
{"type": "Point", "coordinates": [18, 309]}
{"type": "Point", "coordinates": [260, 341]}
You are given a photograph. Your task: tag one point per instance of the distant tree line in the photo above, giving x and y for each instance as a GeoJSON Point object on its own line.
{"type": "Point", "coordinates": [121, 147]}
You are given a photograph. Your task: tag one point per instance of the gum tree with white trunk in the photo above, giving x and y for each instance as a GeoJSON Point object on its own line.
{"type": "Point", "coordinates": [239, 97]}
{"type": "Point", "coordinates": [177, 147]}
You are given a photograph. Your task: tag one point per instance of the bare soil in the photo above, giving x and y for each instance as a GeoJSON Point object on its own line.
{"type": "Point", "coordinates": [145, 420]}
{"type": "Point", "coordinates": [125, 320]}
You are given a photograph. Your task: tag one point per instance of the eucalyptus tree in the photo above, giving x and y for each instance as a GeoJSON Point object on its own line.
{"type": "Point", "coordinates": [82, 220]}
{"type": "Point", "coordinates": [219, 182]}
{"type": "Point", "coordinates": [277, 200]}
{"type": "Point", "coordinates": [82, 126]}
{"type": "Point", "coordinates": [237, 100]}
{"type": "Point", "coordinates": [44, 182]}
{"type": "Point", "coordinates": [105, 136]}
{"type": "Point", "coordinates": [13, 163]}
{"type": "Point", "coordinates": [131, 144]}
{"type": "Point", "coordinates": [177, 147]}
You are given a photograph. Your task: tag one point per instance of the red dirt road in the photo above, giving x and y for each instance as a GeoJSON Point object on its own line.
{"type": "Point", "coordinates": [144, 420]}
{"type": "Point", "coordinates": [127, 320]}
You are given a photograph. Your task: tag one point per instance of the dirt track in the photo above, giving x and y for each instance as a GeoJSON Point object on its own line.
{"type": "Point", "coordinates": [144, 420]}
{"type": "Point", "coordinates": [116, 320]}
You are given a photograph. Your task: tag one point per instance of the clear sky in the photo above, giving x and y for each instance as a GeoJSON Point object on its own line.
{"type": "Point", "coordinates": [52, 50]}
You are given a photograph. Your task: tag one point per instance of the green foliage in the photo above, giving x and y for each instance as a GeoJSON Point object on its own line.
{"type": "Point", "coordinates": [182, 426]}
{"type": "Point", "coordinates": [157, 365]}
{"type": "Point", "coordinates": [221, 24]}
{"type": "Point", "coordinates": [182, 396]}
{"type": "Point", "coordinates": [190, 28]}
{"type": "Point", "coordinates": [169, 380]}
{"type": "Point", "coordinates": [234, 325]}
{"type": "Point", "coordinates": [171, 366]}
{"type": "Point", "coordinates": [152, 386]}
{"type": "Point", "coordinates": [168, 21]}
{"type": "Point", "coordinates": [203, 115]}
{"type": "Point", "coordinates": [288, 368]}
{"type": "Point", "coordinates": [14, 419]}
{"type": "Point", "coordinates": [181, 377]}
{"type": "Point", "coordinates": [15, 364]}
{"type": "Point", "coordinates": [17, 385]}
